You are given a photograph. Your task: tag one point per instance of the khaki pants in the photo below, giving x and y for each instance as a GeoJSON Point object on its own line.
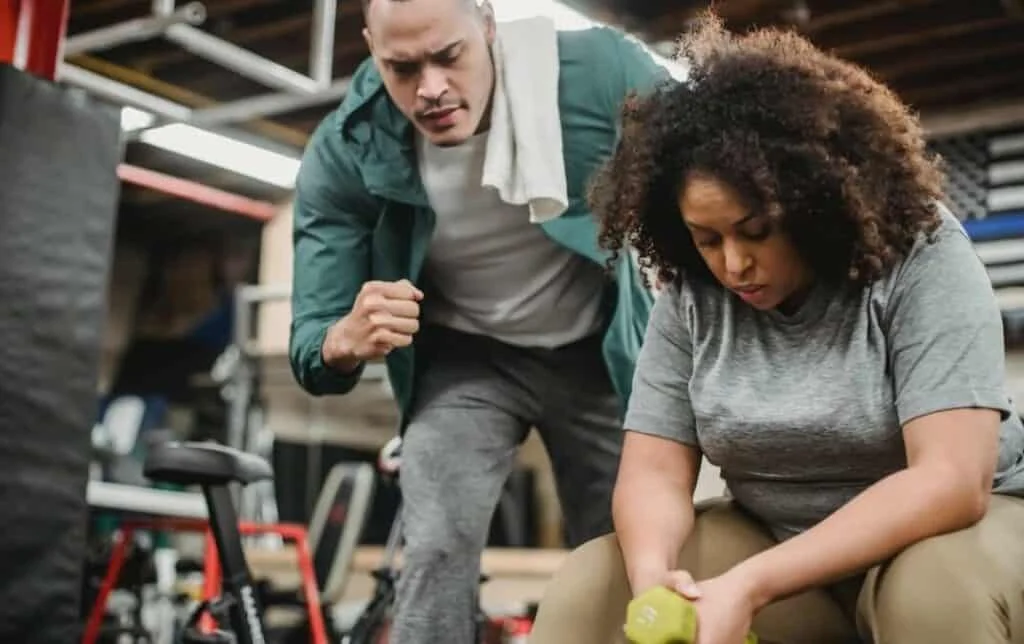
{"type": "Point", "coordinates": [965, 587]}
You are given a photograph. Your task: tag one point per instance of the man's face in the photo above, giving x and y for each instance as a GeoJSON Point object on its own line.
{"type": "Point", "coordinates": [434, 57]}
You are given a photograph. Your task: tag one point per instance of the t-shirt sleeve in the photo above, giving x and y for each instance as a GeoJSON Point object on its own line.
{"type": "Point", "coordinates": [945, 330]}
{"type": "Point", "coordinates": [660, 400]}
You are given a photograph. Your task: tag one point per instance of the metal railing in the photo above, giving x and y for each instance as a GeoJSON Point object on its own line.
{"type": "Point", "coordinates": [180, 25]}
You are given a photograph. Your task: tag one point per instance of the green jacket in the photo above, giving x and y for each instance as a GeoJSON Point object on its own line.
{"type": "Point", "coordinates": [361, 212]}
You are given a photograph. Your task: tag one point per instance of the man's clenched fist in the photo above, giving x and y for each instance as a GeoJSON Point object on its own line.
{"type": "Point", "coordinates": [385, 316]}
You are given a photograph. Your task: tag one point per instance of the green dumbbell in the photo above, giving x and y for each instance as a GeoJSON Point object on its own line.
{"type": "Point", "coordinates": [662, 616]}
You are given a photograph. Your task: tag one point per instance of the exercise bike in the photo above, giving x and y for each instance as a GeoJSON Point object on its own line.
{"type": "Point", "coordinates": [237, 612]}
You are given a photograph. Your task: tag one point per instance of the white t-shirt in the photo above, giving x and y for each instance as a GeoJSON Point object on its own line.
{"type": "Point", "coordinates": [491, 270]}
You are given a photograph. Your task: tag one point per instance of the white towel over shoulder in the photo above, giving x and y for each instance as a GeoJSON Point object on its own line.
{"type": "Point", "coordinates": [524, 151]}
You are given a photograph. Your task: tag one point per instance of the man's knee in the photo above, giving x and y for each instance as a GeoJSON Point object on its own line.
{"type": "Point", "coordinates": [439, 536]}
{"type": "Point", "coordinates": [930, 593]}
{"type": "Point", "coordinates": [586, 599]}
{"type": "Point", "coordinates": [440, 550]}
{"type": "Point", "coordinates": [446, 510]}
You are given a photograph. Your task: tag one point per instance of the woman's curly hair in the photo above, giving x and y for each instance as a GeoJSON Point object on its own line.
{"type": "Point", "coordinates": [808, 139]}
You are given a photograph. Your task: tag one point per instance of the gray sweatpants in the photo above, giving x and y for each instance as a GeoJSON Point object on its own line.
{"type": "Point", "coordinates": [476, 400]}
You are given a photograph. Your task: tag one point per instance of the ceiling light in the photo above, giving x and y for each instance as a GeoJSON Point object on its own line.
{"type": "Point", "coordinates": [224, 152]}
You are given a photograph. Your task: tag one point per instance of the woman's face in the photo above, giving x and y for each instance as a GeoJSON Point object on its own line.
{"type": "Point", "coordinates": [744, 250]}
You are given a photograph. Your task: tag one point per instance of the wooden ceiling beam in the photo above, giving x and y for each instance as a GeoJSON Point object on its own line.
{"type": "Point", "coordinates": [221, 8]}
{"type": "Point", "coordinates": [867, 46]}
{"type": "Point", "coordinates": [862, 13]}
{"type": "Point", "coordinates": [175, 55]}
{"type": "Point", "coordinates": [946, 58]}
{"type": "Point", "coordinates": [86, 9]}
{"type": "Point", "coordinates": [670, 24]}
{"type": "Point", "coordinates": [1014, 8]}
{"type": "Point", "coordinates": [959, 86]}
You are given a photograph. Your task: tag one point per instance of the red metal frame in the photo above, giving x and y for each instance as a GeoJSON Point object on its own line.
{"type": "Point", "coordinates": [33, 36]}
{"type": "Point", "coordinates": [196, 192]}
{"type": "Point", "coordinates": [211, 568]}
{"type": "Point", "coordinates": [9, 10]}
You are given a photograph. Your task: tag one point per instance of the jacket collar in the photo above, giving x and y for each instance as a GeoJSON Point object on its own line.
{"type": "Point", "coordinates": [380, 137]}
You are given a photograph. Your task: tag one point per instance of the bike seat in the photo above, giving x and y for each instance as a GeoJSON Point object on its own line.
{"type": "Point", "coordinates": [204, 464]}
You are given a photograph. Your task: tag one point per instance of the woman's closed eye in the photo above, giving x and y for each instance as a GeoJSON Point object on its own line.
{"type": "Point", "coordinates": [757, 231]}
{"type": "Point", "coordinates": [754, 232]}
{"type": "Point", "coordinates": [706, 241]}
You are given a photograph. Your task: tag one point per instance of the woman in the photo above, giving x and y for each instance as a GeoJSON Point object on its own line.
{"type": "Point", "coordinates": [827, 336]}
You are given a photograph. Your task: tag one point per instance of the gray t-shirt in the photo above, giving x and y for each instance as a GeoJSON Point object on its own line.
{"type": "Point", "coordinates": [803, 412]}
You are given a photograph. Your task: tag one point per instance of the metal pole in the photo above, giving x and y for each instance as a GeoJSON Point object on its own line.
{"type": "Point", "coordinates": [241, 60]}
{"type": "Point", "coordinates": [240, 392]}
{"type": "Point", "coordinates": [263, 292]}
{"type": "Point", "coordinates": [232, 112]}
{"type": "Point", "coordinates": [135, 30]}
{"type": "Point", "coordinates": [123, 94]}
{"type": "Point", "coordinates": [241, 386]}
{"type": "Point", "coordinates": [163, 7]}
{"type": "Point", "coordinates": [321, 55]}
{"type": "Point", "coordinates": [267, 105]}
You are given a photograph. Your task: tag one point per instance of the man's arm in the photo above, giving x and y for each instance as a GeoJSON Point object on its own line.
{"type": "Point", "coordinates": [331, 239]}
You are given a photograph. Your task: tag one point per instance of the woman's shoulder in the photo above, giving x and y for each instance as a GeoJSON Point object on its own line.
{"type": "Point", "coordinates": [947, 248]}
{"type": "Point", "coordinates": [694, 304]}
{"type": "Point", "coordinates": [688, 293]}
{"type": "Point", "coordinates": [942, 272]}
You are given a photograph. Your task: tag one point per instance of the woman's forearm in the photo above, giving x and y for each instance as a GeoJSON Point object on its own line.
{"type": "Point", "coordinates": [653, 516]}
{"type": "Point", "coordinates": [897, 511]}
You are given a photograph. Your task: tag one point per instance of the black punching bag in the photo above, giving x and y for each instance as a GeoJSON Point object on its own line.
{"type": "Point", "coordinates": [59, 153]}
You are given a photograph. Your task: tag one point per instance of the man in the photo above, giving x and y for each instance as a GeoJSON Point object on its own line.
{"type": "Point", "coordinates": [489, 323]}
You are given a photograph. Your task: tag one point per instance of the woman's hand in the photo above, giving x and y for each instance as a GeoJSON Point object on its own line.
{"type": "Point", "coordinates": [725, 605]}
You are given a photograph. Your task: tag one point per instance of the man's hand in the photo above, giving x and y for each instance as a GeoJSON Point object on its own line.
{"type": "Point", "coordinates": [385, 316]}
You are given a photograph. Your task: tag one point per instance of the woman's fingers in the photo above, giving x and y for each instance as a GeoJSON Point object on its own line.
{"type": "Point", "coordinates": [682, 582]}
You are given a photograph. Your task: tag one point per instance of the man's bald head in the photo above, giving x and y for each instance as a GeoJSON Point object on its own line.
{"type": "Point", "coordinates": [468, 4]}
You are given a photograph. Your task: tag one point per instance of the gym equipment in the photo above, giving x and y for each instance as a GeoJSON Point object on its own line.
{"type": "Point", "coordinates": [371, 624]}
{"type": "Point", "coordinates": [663, 616]}
{"type": "Point", "coordinates": [58, 200]}
{"type": "Point", "coordinates": [333, 533]}
{"type": "Point", "coordinates": [213, 468]}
